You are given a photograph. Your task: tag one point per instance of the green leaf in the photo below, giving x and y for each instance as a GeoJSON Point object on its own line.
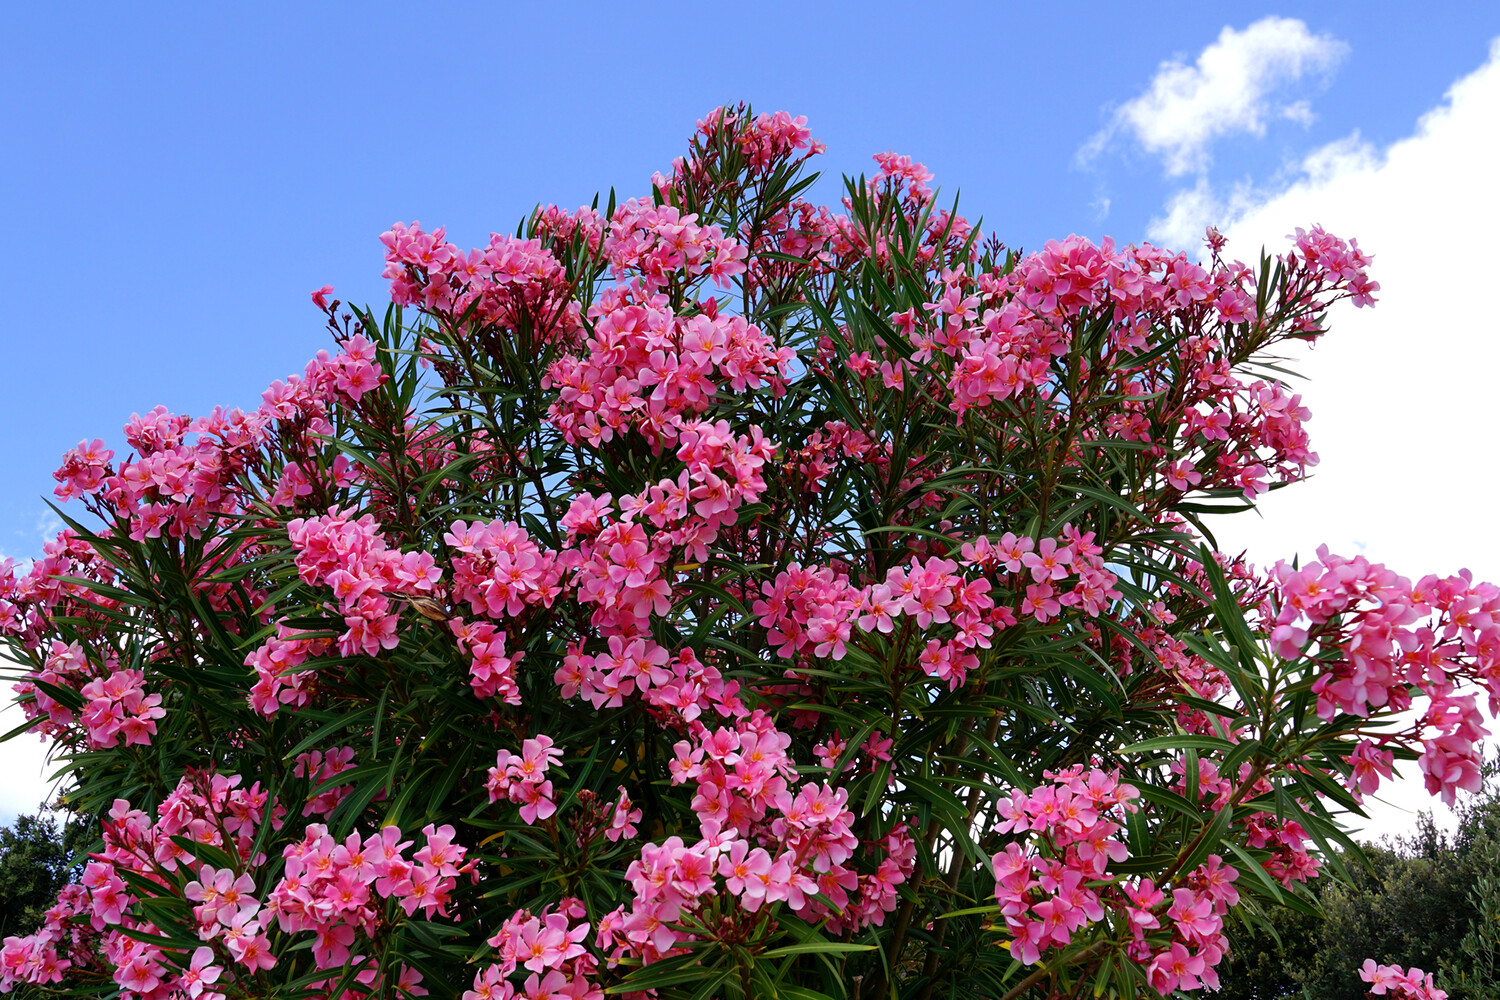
{"type": "Point", "coordinates": [669, 972]}
{"type": "Point", "coordinates": [1180, 742]}
{"type": "Point", "coordinates": [816, 947]}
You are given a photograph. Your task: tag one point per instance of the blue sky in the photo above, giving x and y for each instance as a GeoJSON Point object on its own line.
{"type": "Point", "coordinates": [178, 178]}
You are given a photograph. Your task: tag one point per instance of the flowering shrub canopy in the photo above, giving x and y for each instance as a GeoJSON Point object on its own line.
{"type": "Point", "coordinates": [716, 594]}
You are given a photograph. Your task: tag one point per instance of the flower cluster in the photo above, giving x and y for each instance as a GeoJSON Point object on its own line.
{"type": "Point", "coordinates": [813, 611]}
{"type": "Point", "coordinates": [674, 880]}
{"type": "Point", "coordinates": [1055, 573]}
{"type": "Point", "coordinates": [278, 682]}
{"type": "Point", "coordinates": [740, 773]}
{"type": "Point", "coordinates": [65, 666]}
{"type": "Point", "coordinates": [44, 956]}
{"type": "Point", "coordinates": [1004, 332]}
{"type": "Point", "coordinates": [1399, 983]}
{"type": "Point", "coordinates": [318, 766]}
{"type": "Point", "coordinates": [297, 482]}
{"type": "Point", "coordinates": [622, 819]}
{"type": "Point", "coordinates": [644, 368]}
{"type": "Point", "coordinates": [176, 485]}
{"type": "Point", "coordinates": [227, 911]}
{"type": "Point", "coordinates": [334, 889]}
{"type": "Point", "coordinates": [492, 672]}
{"type": "Point", "coordinates": [1194, 915]}
{"type": "Point", "coordinates": [115, 707]}
{"type": "Point", "coordinates": [185, 471]}
{"type": "Point", "coordinates": [1394, 638]}
{"type": "Point", "coordinates": [550, 948]}
{"type": "Point", "coordinates": [297, 408]}
{"type": "Point", "coordinates": [627, 572]}
{"type": "Point", "coordinates": [119, 707]}
{"type": "Point", "coordinates": [763, 140]}
{"type": "Point", "coordinates": [512, 283]}
{"type": "Point", "coordinates": [84, 469]}
{"type": "Point", "coordinates": [1041, 883]}
{"type": "Point", "coordinates": [823, 450]}
{"type": "Point", "coordinates": [499, 570]}
{"type": "Point", "coordinates": [99, 923]}
{"type": "Point", "coordinates": [350, 556]}
{"type": "Point", "coordinates": [763, 841]}
{"type": "Point", "coordinates": [1052, 883]}
{"type": "Point", "coordinates": [349, 374]}
{"type": "Point", "coordinates": [660, 245]}
{"type": "Point", "coordinates": [523, 779]}
{"type": "Point", "coordinates": [682, 685]}
{"type": "Point", "coordinates": [1289, 843]}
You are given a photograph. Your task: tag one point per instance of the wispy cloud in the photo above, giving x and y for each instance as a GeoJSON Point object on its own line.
{"type": "Point", "coordinates": [1190, 210]}
{"type": "Point", "coordinates": [48, 524]}
{"type": "Point", "coordinates": [1234, 87]}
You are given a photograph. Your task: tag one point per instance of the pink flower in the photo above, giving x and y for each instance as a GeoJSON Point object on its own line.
{"type": "Point", "coordinates": [1174, 969]}
{"type": "Point", "coordinates": [201, 972]}
{"type": "Point", "coordinates": [740, 865]}
{"type": "Point", "coordinates": [1049, 562]}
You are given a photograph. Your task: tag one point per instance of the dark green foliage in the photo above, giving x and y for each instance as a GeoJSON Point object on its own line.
{"type": "Point", "coordinates": [1474, 973]}
{"type": "Point", "coordinates": [38, 856]}
{"type": "Point", "coordinates": [1419, 903]}
{"type": "Point", "coordinates": [1267, 963]}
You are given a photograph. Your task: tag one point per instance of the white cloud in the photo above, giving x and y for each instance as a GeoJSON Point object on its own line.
{"type": "Point", "coordinates": [48, 524]}
{"type": "Point", "coordinates": [1300, 112]}
{"type": "Point", "coordinates": [1191, 210]}
{"type": "Point", "coordinates": [1230, 89]}
{"type": "Point", "coordinates": [1403, 395]}
{"type": "Point", "coordinates": [23, 761]}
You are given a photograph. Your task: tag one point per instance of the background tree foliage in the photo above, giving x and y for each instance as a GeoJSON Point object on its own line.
{"type": "Point", "coordinates": [1427, 899]}
{"type": "Point", "coordinates": [39, 854]}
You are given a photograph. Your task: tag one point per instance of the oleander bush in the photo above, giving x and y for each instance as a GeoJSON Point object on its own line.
{"type": "Point", "coordinates": [715, 594]}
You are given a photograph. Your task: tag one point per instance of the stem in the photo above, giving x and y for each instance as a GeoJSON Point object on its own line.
{"type": "Point", "coordinates": [929, 968]}
{"type": "Point", "coordinates": [1256, 772]}
{"type": "Point", "coordinates": [1043, 973]}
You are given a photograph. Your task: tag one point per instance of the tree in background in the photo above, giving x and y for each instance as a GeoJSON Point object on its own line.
{"type": "Point", "coordinates": [722, 595]}
{"type": "Point", "coordinates": [38, 856]}
{"type": "Point", "coordinates": [1273, 956]}
{"type": "Point", "coordinates": [1474, 970]}
{"type": "Point", "coordinates": [1427, 899]}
